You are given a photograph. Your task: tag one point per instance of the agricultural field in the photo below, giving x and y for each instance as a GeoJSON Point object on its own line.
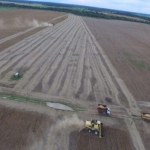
{"type": "Point", "coordinates": [53, 62]}
{"type": "Point", "coordinates": [127, 47]}
{"type": "Point", "coordinates": [20, 129]}
{"type": "Point", "coordinates": [17, 20]}
{"type": "Point", "coordinates": [64, 63]}
{"type": "Point", "coordinates": [114, 139]}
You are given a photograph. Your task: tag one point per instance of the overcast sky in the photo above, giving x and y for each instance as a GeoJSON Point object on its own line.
{"type": "Point", "coordinates": [141, 6]}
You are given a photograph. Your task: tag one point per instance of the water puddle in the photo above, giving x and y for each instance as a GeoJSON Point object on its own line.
{"type": "Point", "coordinates": [59, 106]}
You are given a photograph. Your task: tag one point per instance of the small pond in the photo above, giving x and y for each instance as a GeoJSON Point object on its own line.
{"type": "Point", "coordinates": [59, 106]}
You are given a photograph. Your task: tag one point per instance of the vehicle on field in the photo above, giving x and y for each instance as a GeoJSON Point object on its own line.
{"type": "Point", "coordinates": [95, 126]}
{"type": "Point", "coordinates": [108, 99]}
{"type": "Point", "coordinates": [103, 109]}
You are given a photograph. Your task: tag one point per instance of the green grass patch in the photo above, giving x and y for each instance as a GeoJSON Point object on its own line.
{"type": "Point", "coordinates": [22, 99]}
{"type": "Point", "coordinates": [17, 78]}
{"type": "Point", "coordinates": [6, 8]}
{"type": "Point", "coordinates": [140, 64]}
{"type": "Point", "coordinates": [137, 64]}
{"type": "Point", "coordinates": [77, 108]}
{"type": "Point", "coordinates": [37, 101]}
{"type": "Point", "coordinates": [127, 54]}
{"type": "Point", "coordinates": [136, 116]}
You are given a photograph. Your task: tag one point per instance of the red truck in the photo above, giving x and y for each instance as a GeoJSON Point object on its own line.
{"type": "Point", "coordinates": [103, 109]}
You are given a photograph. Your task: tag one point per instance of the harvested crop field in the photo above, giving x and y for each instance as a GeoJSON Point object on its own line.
{"type": "Point", "coordinates": [14, 40]}
{"type": "Point", "coordinates": [20, 130]}
{"type": "Point", "coordinates": [114, 139]}
{"type": "Point", "coordinates": [58, 61]}
{"type": "Point", "coordinates": [127, 47]}
{"type": "Point", "coordinates": [17, 20]}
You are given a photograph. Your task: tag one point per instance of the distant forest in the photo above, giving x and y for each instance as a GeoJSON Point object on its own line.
{"type": "Point", "coordinates": [78, 10]}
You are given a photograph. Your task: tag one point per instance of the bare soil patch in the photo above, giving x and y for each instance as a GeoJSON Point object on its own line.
{"type": "Point", "coordinates": [127, 46]}
{"type": "Point", "coordinates": [20, 129]}
{"type": "Point", "coordinates": [14, 21]}
{"type": "Point", "coordinates": [114, 139]}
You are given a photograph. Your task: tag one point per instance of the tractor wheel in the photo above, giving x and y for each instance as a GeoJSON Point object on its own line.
{"type": "Point", "coordinates": [96, 132]}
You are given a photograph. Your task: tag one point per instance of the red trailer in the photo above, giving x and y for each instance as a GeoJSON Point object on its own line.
{"type": "Point", "coordinates": [103, 109]}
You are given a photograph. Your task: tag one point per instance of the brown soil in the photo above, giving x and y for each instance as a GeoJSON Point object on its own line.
{"type": "Point", "coordinates": [113, 139]}
{"type": "Point", "coordinates": [19, 129]}
{"type": "Point", "coordinates": [127, 46]}
{"type": "Point", "coordinates": [14, 21]}
{"type": "Point", "coordinates": [73, 137]}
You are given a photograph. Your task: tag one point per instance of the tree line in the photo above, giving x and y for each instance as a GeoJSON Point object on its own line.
{"type": "Point", "coordinates": [81, 11]}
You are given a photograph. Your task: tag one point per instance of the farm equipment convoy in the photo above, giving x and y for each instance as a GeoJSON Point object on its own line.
{"type": "Point", "coordinates": [103, 109]}
{"type": "Point", "coordinates": [95, 126]}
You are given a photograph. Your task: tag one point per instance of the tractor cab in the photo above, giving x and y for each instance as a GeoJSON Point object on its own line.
{"type": "Point", "coordinates": [93, 121]}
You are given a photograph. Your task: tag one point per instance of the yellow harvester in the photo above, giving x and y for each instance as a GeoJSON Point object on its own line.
{"type": "Point", "coordinates": [145, 116]}
{"type": "Point", "coordinates": [95, 126]}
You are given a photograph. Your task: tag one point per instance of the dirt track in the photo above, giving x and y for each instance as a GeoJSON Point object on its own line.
{"type": "Point", "coordinates": [65, 61]}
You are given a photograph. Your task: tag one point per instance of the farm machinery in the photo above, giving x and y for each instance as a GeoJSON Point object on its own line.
{"type": "Point", "coordinates": [94, 126]}
{"type": "Point", "coordinates": [103, 109]}
{"type": "Point", "coordinates": [145, 116]}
